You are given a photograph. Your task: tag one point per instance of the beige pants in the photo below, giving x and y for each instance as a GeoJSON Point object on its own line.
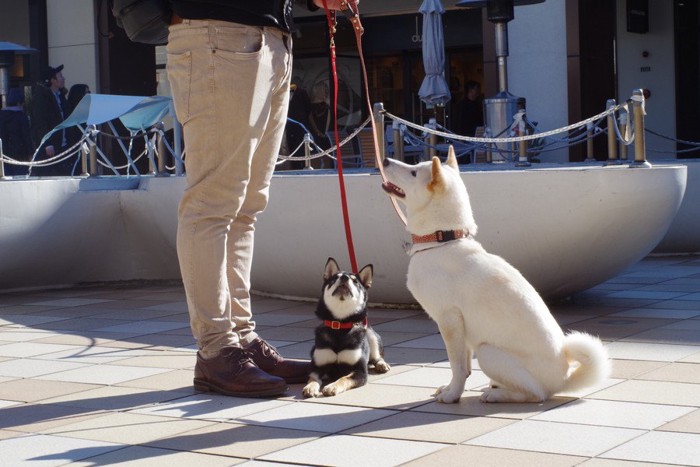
{"type": "Point", "coordinates": [230, 85]}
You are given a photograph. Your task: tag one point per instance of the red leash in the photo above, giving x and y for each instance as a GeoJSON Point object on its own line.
{"type": "Point", "coordinates": [351, 10]}
{"type": "Point", "coordinates": [331, 17]}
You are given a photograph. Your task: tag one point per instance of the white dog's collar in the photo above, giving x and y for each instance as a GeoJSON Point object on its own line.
{"type": "Point", "coordinates": [440, 236]}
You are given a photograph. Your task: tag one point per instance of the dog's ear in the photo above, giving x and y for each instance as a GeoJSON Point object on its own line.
{"type": "Point", "coordinates": [451, 158]}
{"type": "Point", "coordinates": [365, 275]}
{"type": "Point", "coordinates": [436, 180]}
{"type": "Point", "coordinates": [331, 269]}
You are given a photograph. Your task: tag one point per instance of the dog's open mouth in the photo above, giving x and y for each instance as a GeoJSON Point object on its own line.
{"type": "Point", "coordinates": [393, 190]}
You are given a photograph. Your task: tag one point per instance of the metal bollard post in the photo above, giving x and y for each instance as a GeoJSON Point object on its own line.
{"type": "Point", "coordinates": [432, 139]}
{"type": "Point", "coordinates": [398, 141]}
{"type": "Point", "coordinates": [623, 131]}
{"type": "Point", "coordinates": [84, 151]}
{"type": "Point", "coordinates": [612, 137]}
{"type": "Point", "coordinates": [93, 158]}
{"type": "Point", "coordinates": [307, 151]}
{"type": "Point", "coordinates": [640, 152]}
{"type": "Point", "coordinates": [162, 154]}
{"type": "Point", "coordinates": [489, 155]}
{"type": "Point", "coordinates": [2, 162]}
{"type": "Point", "coordinates": [522, 146]}
{"type": "Point", "coordinates": [378, 111]}
{"type": "Point", "coordinates": [589, 143]}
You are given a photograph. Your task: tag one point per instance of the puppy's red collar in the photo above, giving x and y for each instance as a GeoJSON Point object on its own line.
{"type": "Point", "coordinates": [338, 325]}
{"type": "Point", "coordinates": [440, 236]}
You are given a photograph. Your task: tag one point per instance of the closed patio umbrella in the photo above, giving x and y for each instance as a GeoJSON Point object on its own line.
{"type": "Point", "coordinates": [434, 89]}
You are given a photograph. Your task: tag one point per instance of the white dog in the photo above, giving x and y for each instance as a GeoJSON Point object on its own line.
{"type": "Point", "coordinates": [481, 303]}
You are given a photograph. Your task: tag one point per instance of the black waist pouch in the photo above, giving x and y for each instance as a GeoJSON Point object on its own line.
{"type": "Point", "coordinates": [143, 21]}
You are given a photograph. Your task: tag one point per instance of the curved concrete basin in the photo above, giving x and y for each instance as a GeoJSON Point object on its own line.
{"type": "Point", "coordinates": [566, 229]}
{"type": "Point", "coordinates": [683, 235]}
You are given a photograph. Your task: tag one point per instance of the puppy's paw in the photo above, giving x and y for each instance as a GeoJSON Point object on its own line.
{"type": "Point", "coordinates": [333, 390]}
{"type": "Point", "coordinates": [313, 389]}
{"type": "Point", "coordinates": [447, 395]}
{"type": "Point", "coordinates": [381, 366]}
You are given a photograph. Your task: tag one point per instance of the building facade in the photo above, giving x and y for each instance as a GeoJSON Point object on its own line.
{"type": "Point", "coordinates": [566, 58]}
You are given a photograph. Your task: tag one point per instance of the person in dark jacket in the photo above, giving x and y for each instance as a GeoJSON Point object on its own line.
{"type": "Point", "coordinates": [229, 67]}
{"type": "Point", "coordinates": [49, 108]}
{"type": "Point", "coordinates": [15, 133]}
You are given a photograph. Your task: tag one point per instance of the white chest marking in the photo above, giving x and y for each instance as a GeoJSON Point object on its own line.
{"type": "Point", "coordinates": [328, 357]}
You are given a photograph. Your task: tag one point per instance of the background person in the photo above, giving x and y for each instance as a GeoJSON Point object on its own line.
{"type": "Point", "coordinates": [49, 108]}
{"type": "Point", "coordinates": [15, 133]}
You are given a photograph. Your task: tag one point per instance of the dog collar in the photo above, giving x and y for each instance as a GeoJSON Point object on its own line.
{"type": "Point", "coordinates": [347, 325]}
{"type": "Point", "coordinates": [440, 236]}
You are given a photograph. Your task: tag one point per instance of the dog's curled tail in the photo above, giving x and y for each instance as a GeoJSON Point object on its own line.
{"type": "Point", "coordinates": [592, 358]}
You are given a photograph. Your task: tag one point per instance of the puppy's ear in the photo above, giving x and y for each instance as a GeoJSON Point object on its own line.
{"type": "Point", "coordinates": [331, 269]}
{"type": "Point", "coordinates": [436, 180]}
{"type": "Point", "coordinates": [365, 276]}
{"type": "Point", "coordinates": [451, 158]}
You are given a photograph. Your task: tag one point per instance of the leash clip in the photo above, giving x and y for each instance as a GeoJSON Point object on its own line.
{"type": "Point", "coordinates": [351, 10]}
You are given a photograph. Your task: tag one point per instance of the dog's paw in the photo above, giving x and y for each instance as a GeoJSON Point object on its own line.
{"type": "Point", "coordinates": [312, 389]}
{"type": "Point", "coordinates": [381, 366]}
{"type": "Point", "coordinates": [332, 390]}
{"type": "Point", "coordinates": [447, 395]}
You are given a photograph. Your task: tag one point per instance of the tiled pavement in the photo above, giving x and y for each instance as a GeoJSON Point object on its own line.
{"type": "Point", "coordinates": [102, 376]}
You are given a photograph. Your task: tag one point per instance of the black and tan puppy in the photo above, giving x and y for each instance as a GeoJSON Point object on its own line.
{"type": "Point", "coordinates": [345, 344]}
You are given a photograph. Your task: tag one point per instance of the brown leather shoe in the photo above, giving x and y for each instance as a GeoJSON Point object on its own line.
{"type": "Point", "coordinates": [233, 373]}
{"type": "Point", "coordinates": [269, 360]}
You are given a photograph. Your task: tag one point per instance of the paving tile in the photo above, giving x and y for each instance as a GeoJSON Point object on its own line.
{"type": "Point", "coordinates": [324, 418]}
{"type": "Point", "coordinates": [50, 450]}
{"type": "Point", "coordinates": [689, 423]}
{"type": "Point", "coordinates": [33, 390]}
{"type": "Point", "coordinates": [557, 438]}
{"type": "Point", "coordinates": [94, 354]}
{"type": "Point", "coordinates": [436, 428]}
{"type": "Point", "coordinates": [657, 446]}
{"type": "Point", "coordinates": [69, 301]}
{"type": "Point", "coordinates": [423, 325]}
{"type": "Point", "coordinates": [433, 341]}
{"type": "Point", "coordinates": [675, 372]}
{"type": "Point", "coordinates": [172, 360]}
{"type": "Point", "coordinates": [627, 369]}
{"type": "Point", "coordinates": [650, 352]}
{"type": "Point", "coordinates": [471, 405]}
{"type": "Point", "coordinates": [180, 380]}
{"type": "Point", "coordinates": [32, 349]}
{"type": "Point", "coordinates": [614, 413]}
{"type": "Point", "coordinates": [211, 407]}
{"type": "Point", "coordinates": [140, 456]}
{"type": "Point", "coordinates": [598, 462]}
{"type": "Point", "coordinates": [143, 327]}
{"type": "Point", "coordinates": [103, 374]}
{"type": "Point", "coordinates": [661, 313]}
{"type": "Point", "coordinates": [365, 451]}
{"type": "Point", "coordinates": [35, 418]}
{"type": "Point", "coordinates": [235, 440]}
{"type": "Point", "coordinates": [493, 457]}
{"type": "Point", "coordinates": [404, 355]}
{"type": "Point", "coordinates": [381, 396]}
{"type": "Point", "coordinates": [27, 320]}
{"type": "Point", "coordinates": [120, 428]}
{"type": "Point", "coordinates": [29, 368]}
{"type": "Point", "coordinates": [116, 398]}
{"type": "Point", "coordinates": [652, 392]}
{"type": "Point", "coordinates": [432, 377]}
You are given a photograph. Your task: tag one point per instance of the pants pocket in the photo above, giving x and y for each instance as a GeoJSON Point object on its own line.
{"type": "Point", "coordinates": [180, 76]}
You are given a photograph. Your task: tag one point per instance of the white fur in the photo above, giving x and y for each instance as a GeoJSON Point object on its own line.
{"type": "Point", "coordinates": [482, 304]}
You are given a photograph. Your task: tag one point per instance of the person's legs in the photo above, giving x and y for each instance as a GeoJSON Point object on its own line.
{"type": "Point", "coordinates": [225, 80]}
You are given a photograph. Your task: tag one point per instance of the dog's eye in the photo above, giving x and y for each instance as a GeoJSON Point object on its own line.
{"type": "Point", "coordinates": [414, 173]}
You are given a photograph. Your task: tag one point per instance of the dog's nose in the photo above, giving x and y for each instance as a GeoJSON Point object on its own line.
{"type": "Point", "coordinates": [386, 162]}
{"type": "Point", "coordinates": [344, 279]}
